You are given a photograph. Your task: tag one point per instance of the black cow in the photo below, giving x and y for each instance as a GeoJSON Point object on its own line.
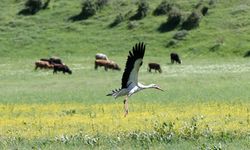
{"type": "Point", "coordinates": [154, 66]}
{"type": "Point", "coordinates": [63, 68]}
{"type": "Point", "coordinates": [175, 58]}
{"type": "Point", "coordinates": [52, 60]}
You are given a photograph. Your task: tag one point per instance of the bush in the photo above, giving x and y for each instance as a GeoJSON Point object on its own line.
{"type": "Point", "coordinates": [201, 8]}
{"type": "Point", "coordinates": [247, 54]}
{"type": "Point", "coordinates": [180, 35]}
{"type": "Point", "coordinates": [34, 5]}
{"type": "Point", "coordinates": [46, 4]}
{"type": "Point", "coordinates": [142, 10]}
{"type": "Point", "coordinates": [172, 42]}
{"type": "Point", "coordinates": [174, 17]}
{"type": "Point", "coordinates": [163, 8]}
{"type": "Point", "coordinates": [192, 21]}
{"type": "Point", "coordinates": [211, 2]}
{"type": "Point", "coordinates": [101, 3]}
{"type": "Point", "coordinates": [132, 24]}
{"type": "Point", "coordinates": [119, 18]}
{"type": "Point", "coordinates": [173, 20]}
{"type": "Point", "coordinates": [88, 9]}
{"type": "Point", "coordinates": [204, 10]}
{"type": "Point", "coordinates": [215, 47]}
{"type": "Point", "coordinates": [197, 6]}
{"type": "Point", "coordinates": [31, 7]}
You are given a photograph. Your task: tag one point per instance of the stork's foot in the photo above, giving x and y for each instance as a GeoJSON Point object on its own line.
{"type": "Point", "coordinates": [126, 113]}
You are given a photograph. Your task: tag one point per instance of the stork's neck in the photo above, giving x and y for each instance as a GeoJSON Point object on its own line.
{"type": "Point", "coordinates": [145, 86]}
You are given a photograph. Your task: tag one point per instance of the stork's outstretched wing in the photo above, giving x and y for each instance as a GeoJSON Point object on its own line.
{"type": "Point", "coordinates": [133, 65]}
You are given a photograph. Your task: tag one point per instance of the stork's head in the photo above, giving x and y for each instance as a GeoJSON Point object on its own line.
{"type": "Point", "coordinates": [156, 87]}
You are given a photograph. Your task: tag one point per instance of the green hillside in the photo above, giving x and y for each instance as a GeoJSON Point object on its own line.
{"type": "Point", "coordinates": [224, 31]}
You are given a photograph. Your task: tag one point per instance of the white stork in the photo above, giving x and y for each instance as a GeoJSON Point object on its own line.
{"type": "Point", "coordinates": [130, 84]}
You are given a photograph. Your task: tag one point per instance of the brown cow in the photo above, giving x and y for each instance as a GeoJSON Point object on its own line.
{"type": "Point", "coordinates": [43, 65]}
{"type": "Point", "coordinates": [154, 66]}
{"type": "Point", "coordinates": [107, 64]}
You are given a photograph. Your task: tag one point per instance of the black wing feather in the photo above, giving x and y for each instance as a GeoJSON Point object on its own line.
{"type": "Point", "coordinates": [137, 53]}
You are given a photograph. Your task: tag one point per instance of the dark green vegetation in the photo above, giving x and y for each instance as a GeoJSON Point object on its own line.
{"type": "Point", "coordinates": [222, 32]}
{"type": "Point", "coordinates": [213, 65]}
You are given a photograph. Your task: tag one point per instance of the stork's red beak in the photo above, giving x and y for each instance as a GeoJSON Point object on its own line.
{"type": "Point", "coordinates": [158, 88]}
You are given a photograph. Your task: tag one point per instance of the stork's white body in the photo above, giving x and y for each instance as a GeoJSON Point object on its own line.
{"type": "Point", "coordinates": [130, 84]}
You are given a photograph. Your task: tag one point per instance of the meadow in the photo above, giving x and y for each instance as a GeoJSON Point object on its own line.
{"type": "Point", "coordinates": [205, 104]}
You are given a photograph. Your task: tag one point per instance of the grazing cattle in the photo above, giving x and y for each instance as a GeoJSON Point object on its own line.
{"type": "Point", "coordinates": [154, 66]}
{"type": "Point", "coordinates": [53, 60]}
{"type": "Point", "coordinates": [43, 65]}
{"type": "Point", "coordinates": [101, 56]}
{"type": "Point", "coordinates": [107, 64]}
{"type": "Point", "coordinates": [62, 68]}
{"type": "Point", "coordinates": [175, 58]}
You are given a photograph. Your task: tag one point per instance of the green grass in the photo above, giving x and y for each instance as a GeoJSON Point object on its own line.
{"type": "Point", "coordinates": [193, 82]}
{"type": "Point", "coordinates": [205, 81]}
{"type": "Point", "coordinates": [188, 145]}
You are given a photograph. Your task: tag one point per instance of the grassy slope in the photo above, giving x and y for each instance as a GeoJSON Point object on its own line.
{"type": "Point", "coordinates": [49, 33]}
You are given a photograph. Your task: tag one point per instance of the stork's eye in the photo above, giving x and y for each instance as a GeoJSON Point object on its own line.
{"type": "Point", "coordinates": [141, 63]}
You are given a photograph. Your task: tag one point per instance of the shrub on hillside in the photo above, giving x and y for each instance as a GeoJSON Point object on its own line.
{"type": "Point", "coordinates": [142, 10]}
{"type": "Point", "coordinates": [192, 21]}
{"type": "Point", "coordinates": [198, 5]}
{"type": "Point", "coordinates": [174, 17]}
{"type": "Point", "coordinates": [88, 9]}
{"type": "Point", "coordinates": [204, 10]}
{"type": "Point", "coordinates": [31, 7]}
{"type": "Point", "coordinates": [101, 3]}
{"type": "Point", "coordinates": [215, 47]}
{"type": "Point", "coordinates": [34, 5]}
{"type": "Point", "coordinates": [247, 54]}
{"type": "Point", "coordinates": [118, 19]}
{"type": "Point", "coordinates": [171, 43]}
{"type": "Point", "coordinates": [180, 35]}
{"type": "Point", "coordinates": [132, 24]}
{"type": "Point", "coordinates": [163, 8]}
{"type": "Point", "coordinates": [46, 4]}
{"type": "Point", "coordinates": [201, 8]}
{"type": "Point", "coordinates": [211, 2]}
{"type": "Point", "coordinates": [173, 20]}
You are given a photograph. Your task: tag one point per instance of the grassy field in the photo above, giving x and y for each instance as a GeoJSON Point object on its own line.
{"type": "Point", "coordinates": [205, 104]}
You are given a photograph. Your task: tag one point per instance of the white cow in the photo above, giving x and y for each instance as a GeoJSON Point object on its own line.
{"type": "Point", "coordinates": [101, 56]}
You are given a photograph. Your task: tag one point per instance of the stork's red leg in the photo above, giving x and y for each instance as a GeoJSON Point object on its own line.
{"type": "Point", "coordinates": [126, 106]}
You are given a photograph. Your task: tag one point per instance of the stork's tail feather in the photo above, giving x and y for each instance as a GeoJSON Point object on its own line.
{"type": "Point", "coordinates": [114, 93]}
